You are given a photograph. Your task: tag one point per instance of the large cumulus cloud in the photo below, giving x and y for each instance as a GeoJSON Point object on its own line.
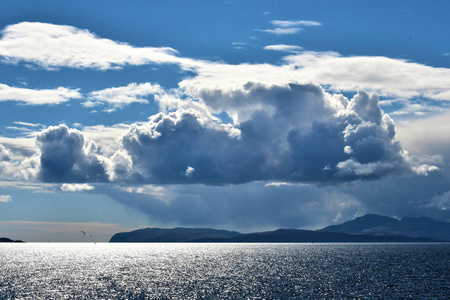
{"type": "Point", "coordinates": [296, 133]}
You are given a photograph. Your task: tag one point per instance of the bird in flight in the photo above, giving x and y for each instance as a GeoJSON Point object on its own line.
{"type": "Point", "coordinates": [86, 233]}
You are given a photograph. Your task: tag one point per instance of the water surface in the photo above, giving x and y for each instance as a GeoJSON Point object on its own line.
{"type": "Point", "coordinates": [217, 271]}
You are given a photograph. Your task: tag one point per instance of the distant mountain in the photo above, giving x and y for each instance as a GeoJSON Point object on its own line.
{"type": "Point", "coordinates": [172, 235]}
{"type": "Point", "coordinates": [6, 240]}
{"type": "Point", "coordinates": [377, 225]}
{"type": "Point", "coordinates": [157, 235]}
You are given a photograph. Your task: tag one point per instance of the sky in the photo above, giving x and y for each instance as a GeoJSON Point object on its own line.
{"type": "Point", "coordinates": [238, 115]}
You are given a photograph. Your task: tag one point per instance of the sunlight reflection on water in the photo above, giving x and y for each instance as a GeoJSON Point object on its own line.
{"type": "Point", "coordinates": [211, 271]}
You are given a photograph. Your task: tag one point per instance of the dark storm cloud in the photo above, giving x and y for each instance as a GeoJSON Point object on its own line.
{"type": "Point", "coordinates": [65, 157]}
{"type": "Point", "coordinates": [163, 150]}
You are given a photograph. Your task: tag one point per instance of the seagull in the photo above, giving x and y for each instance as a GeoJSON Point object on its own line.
{"type": "Point", "coordinates": [86, 233]}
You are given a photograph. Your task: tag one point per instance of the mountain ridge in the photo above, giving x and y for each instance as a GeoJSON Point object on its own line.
{"type": "Point", "coordinates": [368, 228]}
{"type": "Point", "coordinates": [378, 225]}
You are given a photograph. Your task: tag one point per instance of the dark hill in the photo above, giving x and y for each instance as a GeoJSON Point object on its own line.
{"type": "Point", "coordinates": [277, 236]}
{"type": "Point", "coordinates": [172, 235]}
{"type": "Point", "coordinates": [385, 226]}
{"type": "Point", "coordinates": [6, 240]}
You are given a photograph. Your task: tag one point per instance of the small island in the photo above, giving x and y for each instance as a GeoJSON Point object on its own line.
{"type": "Point", "coordinates": [7, 240]}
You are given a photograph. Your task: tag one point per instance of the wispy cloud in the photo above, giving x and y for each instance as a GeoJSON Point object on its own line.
{"type": "Point", "coordinates": [28, 124]}
{"type": "Point", "coordinates": [67, 46]}
{"type": "Point", "coordinates": [118, 97]}
{"type": "Point", "coordinates": [283, 27]}
{"type": "Point", "coordinates": [282, 31]}
{"type": "Point", "coordinates": [38, 96]}
{"type": "Point", "coordinates": [284, 48]}
{"type": "Point", "coordinates": [281, 23]}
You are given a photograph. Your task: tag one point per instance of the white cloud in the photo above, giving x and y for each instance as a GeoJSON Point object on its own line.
{"type": "Point", "coordinates": [386, 76]}
{"type": "Point", "coordinates": [17, 163]}
{"type": "Point", "coordinates": [283, 48]}
{"type": "Point", "coordinates": [427, 135]}
{"type": "Point", "coordinates": [283, 27]}
{"type": "Point", "coordinates": [74, 187]}
{"type": "Point", "coordinates": [189, 171]}
{"type": "Point", "coordinates": [27, 124]}
{"type": "Point", "coordinates": [282, 31]}
{"type": "Point", "coordinates": [37, 97]}
{"type": "Point", "coordinates": [284, 23]}
{"type": "Point", "coordinates": [67, 46]}
{"type": "Point", "coordinates": [120, 96]}
{"type": "Point", "coordinates": [106, 137]}
{"type": "Point", "coordinates": [5, 154]}
{"type": "Point", "coordinates": [278, 184]}
{"type": "Point", "coordinates": [5, 198]}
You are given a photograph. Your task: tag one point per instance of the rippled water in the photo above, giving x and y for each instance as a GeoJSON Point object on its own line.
{"type": "Point", "coordinates": [212, 271]}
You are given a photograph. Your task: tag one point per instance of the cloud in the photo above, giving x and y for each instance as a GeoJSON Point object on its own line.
{"type": "Point", "coordinates": [118, 97]}
{"type": "Point", "coordinates": [386, 76]}
{"type": "Point", "coordinates": [67, 157]}
{"type": "Point", "coordinates": [162, 149]}
{"type": "Point", "coordinates": [284, 23]}
{"type": "Point", "coordinates": [281, 133]}
{"type": "Point", "coordinates": [293, 133]}
{"type": "Point", "coordinates": [283, 48]}
{"type": "Point", "coordinates": [17, 163]}
{"type": "Point", "coordinates": [392, 78]}
{"type": "Point", "coordinates": [284, 128]}
{"type": "Point", "coordinates": [68, 187]}
{"type": "Point", "coordinates": [5, 154]}
{"type": "Point", "coordinates": [38, 97]}
{"type": "Point", "coordinates": [283, 27]}
{"type": "Point", "coordinates": [189, 171]}
{"type": "Point", "coordinates": [427, 135]}
{"type": "Point", "coordinates": [106, 137]}
{"type": "Point", "coordinates": [5, 198]}
{"type": "Point", "coordinates": [67, 46]}
{"type": "Point", "coordinates": [27, 124]}
{"type": "Point", "coordinates": [282, 31]}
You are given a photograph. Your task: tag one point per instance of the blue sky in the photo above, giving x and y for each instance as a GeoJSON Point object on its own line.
{"type": "Point", "coordinates": [242, 115]}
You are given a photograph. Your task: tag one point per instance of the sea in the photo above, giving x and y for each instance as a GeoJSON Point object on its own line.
{"type": "Point", "coordinates": [224, 271]}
